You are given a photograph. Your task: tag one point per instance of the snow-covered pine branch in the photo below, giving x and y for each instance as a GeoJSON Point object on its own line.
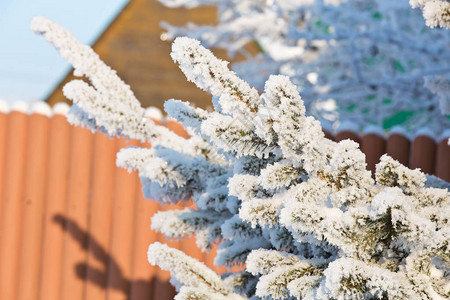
{"type": "Point", "coordinates": [435, 12]}
{"type": "Point", "coordinates": [440, 85]}
{"type": "Point", "coordinates": [108, 104]}
{"type": "Point", "coordinates": [363, 61]}
{"type": "Point", "coordinates": [188, 271]}
{"type": "Point", "coordinates": [305, 218]}
{"type": "Point", "coordinates": [211, 74]}
{"type": "Point", "coordinates": [313, 200]}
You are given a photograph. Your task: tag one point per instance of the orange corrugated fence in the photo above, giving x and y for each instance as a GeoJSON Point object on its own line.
{"type": "Point", "coordinates": [74, 226]}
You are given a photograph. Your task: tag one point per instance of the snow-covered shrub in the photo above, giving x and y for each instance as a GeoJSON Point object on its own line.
{"type": "Point", "coordinates": [355, 60]}
{"type": "Point", "coordinates": [300, 211]}
{"type": "Point", "coordinates": [435, 12]}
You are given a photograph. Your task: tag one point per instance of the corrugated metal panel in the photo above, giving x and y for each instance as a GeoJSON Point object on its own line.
{"type": "Point", "coordinates": [443, 160]}
{"type": "Point", "coordinates": [74, 226]}
{"type": "Point", "coordinates": [12, 202]}
{"type": "Point", "coordinates": [100, 216]}
{"type": "Point", "coordinates": [55, 207]}
{"type": "Point", "coordinates": [36, 163]}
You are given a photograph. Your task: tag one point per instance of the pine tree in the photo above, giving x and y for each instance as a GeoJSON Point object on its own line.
{"type": "Point", "coordinates": [301, 212]}
{"type": "Point", "coordinates": [362, 61]}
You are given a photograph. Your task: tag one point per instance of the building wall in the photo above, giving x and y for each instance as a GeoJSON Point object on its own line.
{"type": "Point", "coordinates": [132, 46]}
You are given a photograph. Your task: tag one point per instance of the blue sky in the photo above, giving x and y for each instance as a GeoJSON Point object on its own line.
{"type": "Point", "coordinates": [29, 67]}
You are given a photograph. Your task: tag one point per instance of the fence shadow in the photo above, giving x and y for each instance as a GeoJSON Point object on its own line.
{"type": "Point", "coordinates": [153, 288]}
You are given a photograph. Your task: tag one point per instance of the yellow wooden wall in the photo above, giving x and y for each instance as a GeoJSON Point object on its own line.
{"type": "Point", "coordinates": [132, 46]}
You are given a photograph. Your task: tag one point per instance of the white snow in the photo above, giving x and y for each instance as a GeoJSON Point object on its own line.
{"type": "Point", "coordinates": [154, 113]}
{"type": "Point", "coordinates": [4, 106]}
{"type": "Point", "coordinates": [347, 125]}
{"type": "Point", "coordinates": [425, 132]}
{"type": "Point", "coordinates": [400, 130]}
{"type": "Point", "coordinates": [61, 108]}
{"type": "Point", "coordinates": [445, 135]}
{"type": "Point", "coordinates": [20, 106]}
{"type": "Point", "coordinates": [185, 269]}
{"type": "Point", "coordinates": [372, 129]}
{"type": "Point", "coordinates": [41, 108]}
{"type": "Point", "coordinates": [436, 13]}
